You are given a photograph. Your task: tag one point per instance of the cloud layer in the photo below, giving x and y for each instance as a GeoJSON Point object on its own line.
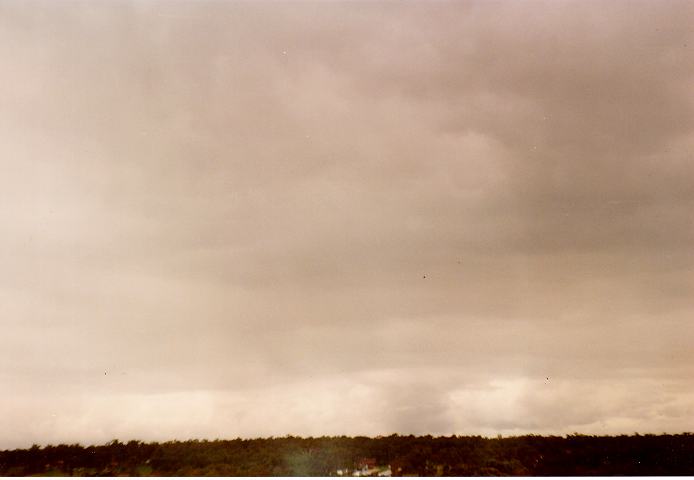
{"type": "Point", "coordinates": [224, 219]}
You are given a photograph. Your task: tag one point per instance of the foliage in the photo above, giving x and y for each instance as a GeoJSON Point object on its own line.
{"type": "Point", "coordinates": [407, 455]}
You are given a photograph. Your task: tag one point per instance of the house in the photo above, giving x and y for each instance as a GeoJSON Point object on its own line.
{"type": "Point", "coordinates": [367, 467]}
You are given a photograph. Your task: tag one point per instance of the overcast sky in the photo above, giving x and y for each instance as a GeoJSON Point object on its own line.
{"type": "Point", "coordinates": [223, 219]}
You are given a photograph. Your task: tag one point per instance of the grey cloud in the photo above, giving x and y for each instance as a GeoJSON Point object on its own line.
{"type": "Point", "coordinates": [213, 202]}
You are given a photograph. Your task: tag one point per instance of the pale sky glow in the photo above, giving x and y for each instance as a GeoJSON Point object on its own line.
{"type": "Point", "coordinates": [223, 219]}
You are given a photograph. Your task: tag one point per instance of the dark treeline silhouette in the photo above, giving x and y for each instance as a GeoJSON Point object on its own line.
{"type": "Point", "coordinates": [407, 455]}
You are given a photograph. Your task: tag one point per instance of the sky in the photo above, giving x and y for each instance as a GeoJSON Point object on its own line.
{"type": "Point", "coordinates": [238, 219]}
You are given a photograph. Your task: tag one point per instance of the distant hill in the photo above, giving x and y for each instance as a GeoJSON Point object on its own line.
{"type": "Point", "coordinates": [326, 456]}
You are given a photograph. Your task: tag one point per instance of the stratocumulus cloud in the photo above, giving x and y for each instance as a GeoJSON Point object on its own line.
{"type": "Point", "coordinates": [226, 219]}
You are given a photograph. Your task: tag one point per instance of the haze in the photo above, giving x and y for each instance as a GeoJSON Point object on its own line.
{"type": "Point", "coordinates": [223, 219]}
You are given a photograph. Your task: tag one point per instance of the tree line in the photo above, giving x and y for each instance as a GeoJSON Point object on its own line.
{"type": "Point", "coordinates": [407, 455]}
